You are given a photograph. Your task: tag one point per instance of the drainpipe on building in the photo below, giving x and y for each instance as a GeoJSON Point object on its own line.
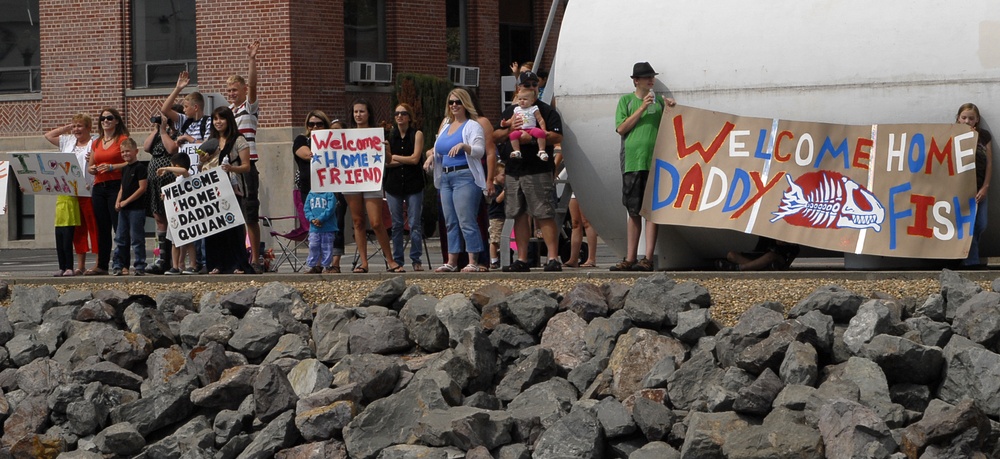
{"type": "Point", "coordinates": [545, 34]}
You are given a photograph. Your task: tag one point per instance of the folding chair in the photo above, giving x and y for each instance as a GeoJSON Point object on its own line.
{"type": "Point", "coordinates": [289, 243]}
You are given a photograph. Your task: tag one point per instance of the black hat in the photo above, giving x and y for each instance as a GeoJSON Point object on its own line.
{"type": "Point", "coordinates": [643, 69]}
{"type": "Point", "coordinates": [528, 76]}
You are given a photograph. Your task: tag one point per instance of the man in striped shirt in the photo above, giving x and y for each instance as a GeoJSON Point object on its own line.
{"type": "Point", "coordinates": [242, 97]}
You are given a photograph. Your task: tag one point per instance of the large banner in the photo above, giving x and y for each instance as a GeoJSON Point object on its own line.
{"type": "Point", "coordinates": [892, 190]}
{"type": "Point", "coordinates": [50, 173]}
{"type": "Point", "coordinates": [4, 173]}
{"type": "Point", "coordinates": [201, 205]}
{"type": "Point", "coordinates": [347, 159]}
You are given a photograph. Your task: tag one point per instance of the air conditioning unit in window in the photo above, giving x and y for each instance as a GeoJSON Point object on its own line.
{"type": "Point", "coordinates": [464, 76]}
{"type": "Point", "coordinates": [370, 72]}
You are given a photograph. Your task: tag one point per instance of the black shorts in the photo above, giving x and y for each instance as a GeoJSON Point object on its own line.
{"type": "Point", "coordinates": [251, 201]}
{"type": "Point", "coordinates": [633, 191]}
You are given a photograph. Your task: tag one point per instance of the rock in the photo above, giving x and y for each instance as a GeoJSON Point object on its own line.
{"type": "Point", "coordinates": [832, 300]}
{"type": "Point", "coordinates": [289, 346]}
{"type": "Point", "coordinates": [537, 365]}
{"type": "Point", "coordinates": [173, 300]}
{"type": "Point", "coordinates": [873, 318]}
{"type": "Point", "coordinates": [655, 450]}
{"type": "Point", "coordinates": [782, 434]}
{"type": "Point", "coordinates": [329, 331]}
{"type": "Point", "coordinates": [95, 311]}
{"type": "Point", "coordinates": [707, 432]}
{"type": "Point", "coordinates": [824, 327]}
{"type": "Point", "coordinates": [420, 452]}
{"type": "Point", "coordinates": [422, 323]}
{"type": "Point", "coordinates": [977, 320]}
{"type": "Point", "coordinates": [653, 419]}
{"type": "Point", "coordinates": [233, 386]}
{"type": "Point", "coordinates": [194, 325]}
{"type": "Point", "coordinates": [277, 435]}
{"type": "Point", "coordinates": [378, 335]}
{"type": "Point", "coordinates": [29, 304]}
{"type": "Point", "coordinates": [582, 376]}
{"type": "Point", "coordinates": [457, 313]}
{"type": "Point", "coordinates": [375, 374]}
{"type": "Point", "coordinates": [489, 293]}
{"type": "Point", "coordinates": [691, 325]}
{"type": "Point", "coordinates": [564, 336]}
{"type": "Point", "coordinates": [684, 384]}
{"type": "Point", "coordinates": [150, 323]}
{"type": "Point", "coordinates": [941, 427]}
{"type": "Point", "coordinates": [25, 347]}
{"type": "Point", "coordinates": [852, 430]}
{"type": "Point", "coordinates": [239, 302]}
{"type": "Point", "coordinates": [121, 439]}
{"type": "Point", "coordinates": [42, 376]}
{"type": "Point", "coordinates": [800, 365]}
{"type": "Point", "coordinates": [309, 376]}
{"type": "Point", "coordinates": [576, 435]}
{"type": "Point", "coordinates": [28, 417]}
{"type": "Point", "coordinates": [904, 361]}
{"type": "Point", "coordinates": [649, 303]}
{"type": "Point", "coordinates": [971, 373]}
{"type": "Point", "coordinates": [6, 330]}
{"type": "Point", "coordinates": [475, 349]}
{"type": "Point", "coordinates": [757, 398]}
{"type": "Point", "coordinates": [390, 420]}
{"type": "Point", "coordinates": [770, 352]}
{"type": "Point", "coordinates": [634, 355]}
{"type": "Point", "coordinates": [465, 428]}
{"type": "Point", "coordinates": [956, 290]}
{"type": "Point", "coordinates": [586, 301]}
{"type": "Point", "coordinates": [272, 393]}
{"type": "Point", "coordinates": [258, 332]}
{"type": "Point", "coordinates": [530, 309]}
{"type": "Point", "coordinates": [386, 293]}
{"type": "Point", "coordinates": [547, 401]}
{"type": "Point", "coordinates": [109, 374]}
{"type": "Point", "coordinates": [614, 418]}
{"type": "Point", "coordinates": [933, 308]}
{"type": "Point", "coordinates": [913, 397]}
{"type": "Point", "coordinates": [326, 421]}
{"type": "Point", "coordinates": [508, 341]}
{"type": "Point", "coordinates": [602, 331]}
{"type": "Point", "coordinates": [331, 449]}
{"type": "Point", "coordinates": [282, 299]}
{"type": "Point", "coordinates": [173, 403]}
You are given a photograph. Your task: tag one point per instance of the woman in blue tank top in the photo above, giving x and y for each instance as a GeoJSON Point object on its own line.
{"type": "Point", "coordinates": [459, 175]}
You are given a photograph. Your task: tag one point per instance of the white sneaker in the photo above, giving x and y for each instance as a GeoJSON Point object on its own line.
{"type": "Point", "coordinates": [516, 154]}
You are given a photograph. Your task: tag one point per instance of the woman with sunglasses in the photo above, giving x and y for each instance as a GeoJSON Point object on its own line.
{"type": "Point", "coordinates": [404, 184]}
{"type": "Point", "coordinates": [161, 144]}
{"type": "Point", "coordinates": [368, 202]}
{"type": "Point", "coordinates": [459, 175]}
{"type": "Point", "coordinates": [105, 165]}
{"type": "Point", "coordinates": [302, 154]}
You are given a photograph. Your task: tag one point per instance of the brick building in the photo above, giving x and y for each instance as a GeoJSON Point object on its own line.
{"type": "Point", "coordinates": [58, 58]}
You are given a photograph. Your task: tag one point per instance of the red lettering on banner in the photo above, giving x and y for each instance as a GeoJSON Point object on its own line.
{"type": "Point", "coordinates": [777, 144]}
{"type": "Point", "coordinates": [692, 185]}
{"type": "Point", "coordinates": [923, 205]}
{"type": "Point", "coordinates": [762, 189]}
{"type": "Point", "coordinates": [943, 156]}
{"type": "Point", "coordinates": [706, 155]}
{"type": "Point", "coordinates": [860, 154]}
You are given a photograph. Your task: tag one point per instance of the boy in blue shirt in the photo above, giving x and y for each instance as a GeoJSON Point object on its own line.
{"type": "Point", "coordinates": [319, 210]}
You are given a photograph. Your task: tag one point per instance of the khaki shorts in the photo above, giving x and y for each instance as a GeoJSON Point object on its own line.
{"type": "Point", "coordinates": [496, 230]}
{"type": "Point", "coordinates": [532, 194]}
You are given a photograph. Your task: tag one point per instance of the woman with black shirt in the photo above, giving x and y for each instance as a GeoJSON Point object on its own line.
{"type": "Point", "coordinates": [404, 184]}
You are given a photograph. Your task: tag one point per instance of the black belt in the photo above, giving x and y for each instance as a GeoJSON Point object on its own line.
{"type": "Point", "coordinates": [456, 168]}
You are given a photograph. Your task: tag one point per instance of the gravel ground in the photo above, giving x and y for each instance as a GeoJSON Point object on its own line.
{"type": "Point", "coordinates": [730, 295]}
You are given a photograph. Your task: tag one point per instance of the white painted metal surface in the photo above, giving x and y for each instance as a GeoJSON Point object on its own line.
{"type": "Point", "coordinates": [835, 61]}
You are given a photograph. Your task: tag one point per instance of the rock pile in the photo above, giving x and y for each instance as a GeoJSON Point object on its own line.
{"type": "Point", "coordinates": [637, 371]}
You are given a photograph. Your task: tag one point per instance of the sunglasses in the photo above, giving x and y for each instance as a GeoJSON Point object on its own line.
{"type": "Point", "coordinates": [316, 124]}
{"type": "Point", "coordinates": [402, 113]}
{"type": "Point", "coordinates": [454, 102]}
{"type": "Point", "coordinates": [106, 118]}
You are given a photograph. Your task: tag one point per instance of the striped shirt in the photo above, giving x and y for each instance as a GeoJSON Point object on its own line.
{"type": "Point", "coordinates": [246, 120]}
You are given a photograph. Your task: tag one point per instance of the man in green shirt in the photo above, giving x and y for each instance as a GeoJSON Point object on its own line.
{"type": "Point", "coordinates": [638, 119]}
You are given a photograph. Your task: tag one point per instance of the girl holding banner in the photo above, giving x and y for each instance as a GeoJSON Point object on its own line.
{"type": "Point", "coordinates": [368, 202]}
{"type": "Point", "coordinates": [226, 252]}
{"type": "Point", "coordinates": [969, 114]}
{"type": "Point", "coordinates": [76, 138]}
{"type": "Point", "coordinates": [105, 165]}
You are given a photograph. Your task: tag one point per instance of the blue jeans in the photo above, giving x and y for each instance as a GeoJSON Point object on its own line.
{"type": "Point", "coordinates": [320, 249]}
{"type": "Point", "coordinates": [414, 206]}
{"type": "Point", "coordinates": [131, 231]}
{"type": "Point", "coordinates": [977, 233]}
{"type": "Point", "coordinates": [460, 198]}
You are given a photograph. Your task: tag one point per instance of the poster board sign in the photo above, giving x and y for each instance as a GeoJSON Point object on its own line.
{"type": "Point", "coordinates": [4, 173]}
{"type": "Point", "coordinates": [347, 159]}
{"type": "Point", "coordinates": [200, 205]}
{"type": "Point", "coordinates": [903, 190]}
{"type": "Point", "coordinates": [191, 149]}
{"type": "Point", "coordinates": [50, 173]}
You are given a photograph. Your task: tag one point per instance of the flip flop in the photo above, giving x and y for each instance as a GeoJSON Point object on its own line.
{"type": "Point", "coordinates": [360, 270]}
{"type": "Point", "coordinates": [588, 264]}
{"type": "Point", "coordinates": [95, 272]}
{"type": "Point", "coordinates": [446, 268]}
{"type": "Point", "coordinates": [398, 269]}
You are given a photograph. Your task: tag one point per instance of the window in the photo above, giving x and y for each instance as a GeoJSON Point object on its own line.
{"type": "Point", "coordinates": [163, 42]}
{"type": "Point", "coordinates": [456, 32]}
{"type": "Point", "coordinates": [19, 44]}
{"type": "Point", "coordinates": [25, 214]}
{"type": "Point", "coordinates": [364, 30]}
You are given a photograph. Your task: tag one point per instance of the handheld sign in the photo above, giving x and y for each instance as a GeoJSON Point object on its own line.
{"type": "Point", "coordinates": [347, 159]}
{"type": "Point", "coordinates": [200, 205]}
{"type": "Point", "coordinates": [4, 173]}
{"type": "Point", "coordinates": [904, 190]}
{"type": "Point", "coordinates": [50, 174]}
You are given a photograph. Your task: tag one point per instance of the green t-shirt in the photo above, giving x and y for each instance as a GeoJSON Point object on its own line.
{"type": "Point", "coordinates": [639, 142]}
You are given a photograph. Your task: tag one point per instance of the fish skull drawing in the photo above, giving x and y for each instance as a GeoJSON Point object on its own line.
{"type": "Point", "coordinates": [827, 199]}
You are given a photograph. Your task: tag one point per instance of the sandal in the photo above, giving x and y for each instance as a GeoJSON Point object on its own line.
{"type": "Point", "coordinates": [215, 271]}
{"type": "Point", "coordinates": [446, 268]}
{"type": "Point", "coordinates": [623, 265]}
{"type": "Point", "coordinates": [588, 264]}
{"type": "Point", "coordinates": [398, 269]}
{"type": "Point", "coordinates": [474, 268]}
{"type": "Point", "coordinates": [360, 270]}
{"type": "Point", "coordinates": [571, 265]}
{"type": "Point", "coordinates": [238, 271]}
{"type": "Point", "coordinates": [95, 272]}
{"type": "Point", "coordinates": [332, 270]}
{"type": "Point", "coordinates": [418, 267]}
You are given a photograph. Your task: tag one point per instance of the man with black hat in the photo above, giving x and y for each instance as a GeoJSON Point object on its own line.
{"type": "Point", "coordinates": [530, 183]}
{"type": "Point", "coordinates": [638, 119]}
